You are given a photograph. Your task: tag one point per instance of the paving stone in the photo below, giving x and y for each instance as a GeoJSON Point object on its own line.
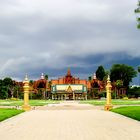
{"type": "Point", "coordinates": [70, 124]}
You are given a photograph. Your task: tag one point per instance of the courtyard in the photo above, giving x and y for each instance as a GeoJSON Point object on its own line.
{"type": "Point", "coordinates": [69, 120]}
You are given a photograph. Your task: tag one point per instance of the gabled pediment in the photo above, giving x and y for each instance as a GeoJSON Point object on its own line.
{"type": "Point", "coordinates": [69, 89]}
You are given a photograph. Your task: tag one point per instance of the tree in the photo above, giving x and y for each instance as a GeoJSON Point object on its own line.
{"type": "Point", "coordinates": [106, 76]}
{"type": "Point", "coordinates": [9, 84]}
{"type": "Point", "coordinates": [31, 82]}
{"type": "Point", "coordinates": [2, 90]}
{"type": "Point", "coordinates": [139, 74]}
{"type": "Point", "coordinates": [49, 84]}
{"type": "Point", "coordinates": [122, 72]}
{"type": "Point", "coordinates": [100, 73]}
{"type": "Point", "coordinates": [134, 92]}
{"type": "Point", "coordinates": [89, 78]}
{"type": "Point", "coordinates": [118, 85]}
{"type": "Point", "coordinates": [16, 91]}
{"type": "Point", "coordinates": [46, 77]}
{"type": "Point", "coordinates": [137, 11]}
{"type": "Point", "coordinates": [7, 81]}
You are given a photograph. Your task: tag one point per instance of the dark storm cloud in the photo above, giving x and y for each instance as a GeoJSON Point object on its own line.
{"type": "Point", "coordinates": [50, 36]}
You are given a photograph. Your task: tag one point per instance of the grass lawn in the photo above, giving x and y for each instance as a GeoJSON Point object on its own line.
{"type": "Point", "coordinates": [129, 111]}
{"type": "Point", "coordinates": [31, 102]}
{"type": "Point", "coordinates": [7, 113]}
{"type": "Point", "coordinates": [114, 102]}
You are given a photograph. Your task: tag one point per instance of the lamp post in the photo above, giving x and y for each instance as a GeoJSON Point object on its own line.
{"type": "Point", "coordinates": [26, 105]}
{"type": "Point", "coordinates": [108, 105]}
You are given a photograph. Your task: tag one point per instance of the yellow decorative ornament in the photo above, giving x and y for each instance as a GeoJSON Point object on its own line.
{"type": "Point", "coordinates": [26, 87]}
{"type": "Point", "coordinates": [108, 105]}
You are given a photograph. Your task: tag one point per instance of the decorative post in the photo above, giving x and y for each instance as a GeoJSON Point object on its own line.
{"type": "Point", "coordinates": [86, 96]}
{"type": "Point", "coordinates": [108, 105]}
{"type": "Point", "coordinates": [26, 105]}
{"type": "Point", "coordinates": [73, 95]}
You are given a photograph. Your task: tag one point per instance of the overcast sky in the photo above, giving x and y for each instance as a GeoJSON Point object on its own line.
{"type": "Point", "coordinates": [51, 35]}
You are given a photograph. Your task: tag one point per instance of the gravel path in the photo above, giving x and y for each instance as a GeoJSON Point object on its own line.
{"type": "Point", "coordinates": [69, 121]}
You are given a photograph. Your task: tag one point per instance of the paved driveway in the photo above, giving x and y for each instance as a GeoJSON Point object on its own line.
{"type": "Point", "coordinates": [69, 124]}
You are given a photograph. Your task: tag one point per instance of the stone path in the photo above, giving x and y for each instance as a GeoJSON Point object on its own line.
{"type": "Point", "coordinates": [69, 121]}
{"type": "Point", "coordinates": [69, 105]}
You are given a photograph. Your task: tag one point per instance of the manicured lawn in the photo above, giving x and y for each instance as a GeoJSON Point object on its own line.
{"type": "Point", "coordinates": [31, 102]}
{"type": "Point", "coordinates": [7, 113]}
{"type": "Point", "coordinates": [114, 102]}
{"type": "Point", "coordinates": [129, 111]}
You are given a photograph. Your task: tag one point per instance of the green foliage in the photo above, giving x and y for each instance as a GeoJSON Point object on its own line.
{"type": "Point", "coordinates": [7, 113]}
{"type": "Point", "coordinates": [8, 81]}
{"type": "Point", "coordinates": [94, 93]}
{"type": "Point", "coordinates": [8, 88]}
{"type": "Point", "coordinates": [102, 94]}
{"type": "Point", "coordinates": [3, 92]}
{"type": "Point", "coordinates": [129, 111]}
{"type": "Point", "coordinates": [31, 82]}
{"type": "Point", "coordinates": [125, 98]}
{"type": "Point", "coordinates": [5, 87]}
{"type": "Point", "coordinates": [46, 77]}
{"type": "Point", "coordinates": [114, 102]}
{"type": "Point", "coordinates": [139, 69]}
{"type": "Point", "coordinates": [89, 78]}
{"type": "Point", "coordinates": [17, 93]}
{"type": "Point", "coordinates": [106, 76]}
{"type": "Point", "coordinates": [119, 83]}
{"type": "Point", "coordinates": [36, 96]}
{"type": "Point", "coordinates": [122, 72]}
{"type": "Point", "coordinates": [49, 84]}
{"type": "Point", "coordinates": [100, 73]}
{"type": "Point", "coordinates": [14, 99]}
{"type": "Point", "coordinates": [133, 92]}
{"type": "Point", "coordinates": [31, 102]}
{"type": "Point", "coordinates": [113, 95]}
{"type": "Point", "coordinates": [137, 11]}
{"type": "Point", "coordinates": [138, 26]}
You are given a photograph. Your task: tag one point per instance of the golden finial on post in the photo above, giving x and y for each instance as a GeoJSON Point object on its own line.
{"type": "Point", "coordinates": [26, 105]}
{"type": "Point", "coordinates": [108, 105]}
{"type": "Point", "coordinates": [108, 78]}
{"type": "Point", "coordinates": [26, 77]}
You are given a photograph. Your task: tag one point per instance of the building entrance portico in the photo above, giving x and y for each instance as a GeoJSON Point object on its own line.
{"type": "Point", "coordinates": [69, 92]}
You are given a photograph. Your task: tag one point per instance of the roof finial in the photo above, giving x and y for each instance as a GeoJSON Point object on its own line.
{"type": "Point", "coordinates": [26, 77]}
{"type": "Point", "coordinates": [42, 76]}
{"type": "Point", "coordinates": [108, 78]}
{"type": "Point", "coordinates": [94, 76]}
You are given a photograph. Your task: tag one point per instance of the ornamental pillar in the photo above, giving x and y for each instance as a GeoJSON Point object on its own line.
{"type": "Point", "coordinates": [108, 105]}
{"type": "Point", "coordinates": [73, 96]}
{"type": "Point", "coordinates": [26, 105]}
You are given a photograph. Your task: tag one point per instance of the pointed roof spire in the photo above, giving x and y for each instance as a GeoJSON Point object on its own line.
{"type": "Point", "coordinates": [68, 72]}
{"type": "Point", "coordinates": [94, 76]}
